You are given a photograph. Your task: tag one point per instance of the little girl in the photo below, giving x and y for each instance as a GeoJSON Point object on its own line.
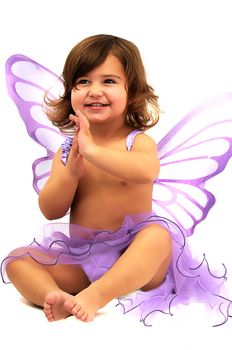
{"type": "Point", "coordinates": [103, 176]}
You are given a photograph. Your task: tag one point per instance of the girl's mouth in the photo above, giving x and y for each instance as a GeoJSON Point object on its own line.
{"type": "Point", "coordinates": [96, 104]}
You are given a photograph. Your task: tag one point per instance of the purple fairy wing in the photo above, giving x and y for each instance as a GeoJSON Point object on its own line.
{"type": "Point", "coordinates": [195, 150]}
{"type": "Point", "coordinates": [27, 82]}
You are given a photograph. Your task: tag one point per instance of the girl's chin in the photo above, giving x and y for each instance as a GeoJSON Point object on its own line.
{"type": "Point", "coordinates": [98, 119]}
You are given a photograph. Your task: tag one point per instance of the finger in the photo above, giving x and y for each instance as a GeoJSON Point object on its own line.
{"type": "Point", "coordinates": [83, 122]}
{"type": "Point", "coordinates": [75, 119]}
{"type": "Point", "coordinates": [75, 147]}
{"type": "Point", "coordinates": [81, 116]}
{"type": "Point", "coordinates": [75, 138]}
{"type": "Point", "coordinates": [79, 113]}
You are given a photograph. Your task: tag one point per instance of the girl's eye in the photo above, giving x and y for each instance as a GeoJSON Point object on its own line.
{"type": "Point", "coordinates": [109, 81]}
{"type": "Point", "coordinates": [82, 82]}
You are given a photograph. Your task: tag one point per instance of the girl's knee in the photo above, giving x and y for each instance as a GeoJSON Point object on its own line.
{"type": "Point", "coordinates": [12, 268]}
{"type": "Point", "coordinates": [165, 240]}
{"type": "Point", "coordinates": [157, 237]}
{"type": "Point", "coordinates": [17, 257]}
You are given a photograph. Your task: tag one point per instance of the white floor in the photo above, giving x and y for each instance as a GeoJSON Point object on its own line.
{"type": "Point", "coordinates": [25, 327]}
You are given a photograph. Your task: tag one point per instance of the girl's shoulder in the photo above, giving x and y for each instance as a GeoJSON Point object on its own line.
{"type": "Point", "coordinates": [140, 137]}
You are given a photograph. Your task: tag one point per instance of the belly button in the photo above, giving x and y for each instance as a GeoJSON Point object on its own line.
{"type": "Point", "coordinates": [123, 183]}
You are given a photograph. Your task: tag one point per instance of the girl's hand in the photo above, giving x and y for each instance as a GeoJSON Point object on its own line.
{"type": "Point", "coordinates": [84, 136]}
{"type": "Point", "coordinates": [75, 162]}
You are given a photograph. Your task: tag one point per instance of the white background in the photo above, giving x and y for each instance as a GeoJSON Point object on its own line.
{"type": "Point", "coordinates": [186, 49]}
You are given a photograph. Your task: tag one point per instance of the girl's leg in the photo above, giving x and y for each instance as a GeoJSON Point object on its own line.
{"type": "Point", "coordinates": [35, 282]}
{"type": "Point", "coordinates": [143, 266]}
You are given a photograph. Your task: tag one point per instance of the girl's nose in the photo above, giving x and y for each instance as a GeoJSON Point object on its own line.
{"type": "Point", "coordinates": [95, 91]}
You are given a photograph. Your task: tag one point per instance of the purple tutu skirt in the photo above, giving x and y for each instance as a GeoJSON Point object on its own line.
{"type": "Point", "coordinates": [96, 251]}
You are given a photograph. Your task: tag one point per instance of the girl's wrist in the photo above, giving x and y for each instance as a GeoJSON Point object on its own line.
{"type": "Point", "coordinates": [68, 176]}
{"type": "Point", "coordinates": [91, 151]}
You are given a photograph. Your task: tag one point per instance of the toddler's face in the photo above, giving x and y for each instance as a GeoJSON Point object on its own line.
{"type": "Point", "coordinates": [102, 93]}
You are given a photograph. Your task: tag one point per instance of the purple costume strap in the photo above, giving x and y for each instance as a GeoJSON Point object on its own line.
{"type": "Point", "coordinates": [130, 139]}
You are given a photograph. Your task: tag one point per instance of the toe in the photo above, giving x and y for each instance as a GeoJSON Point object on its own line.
{"type": "Point", "coordinates": [70, 306]}
{"type": "Point", "coordinates": [84, 317]}
{"type": "Point", "coordinates": [76, 309]}
{"type": "Point", "coordinates": [50, 298]}
{"type": "Point", "coordinates": [48, 312]}
{"type": "Point", "coordinates": [80, 313]}
{"type": "Point", "coordinates": [46, 306]}
{"type": "Point", "coordinates": [49, 317]}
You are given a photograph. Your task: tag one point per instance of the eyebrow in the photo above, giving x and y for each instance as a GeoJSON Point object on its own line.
{"type": "Point", "coordinates": [111, 75]}
{"type": "Point", "coordinates": [104, 76]}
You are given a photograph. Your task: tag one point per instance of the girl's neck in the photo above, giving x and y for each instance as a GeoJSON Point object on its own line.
{"type": "Point", "coordinates": [108, 130]}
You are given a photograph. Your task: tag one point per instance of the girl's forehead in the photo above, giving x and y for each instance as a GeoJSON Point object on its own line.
{"type": "Point", "coordinates": [111, 66]}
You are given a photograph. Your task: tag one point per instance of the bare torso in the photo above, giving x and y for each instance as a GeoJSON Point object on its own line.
{"type": "Point", "coordinates": [102, 200]}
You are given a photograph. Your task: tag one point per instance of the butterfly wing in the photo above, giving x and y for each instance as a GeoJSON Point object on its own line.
{"type": "Point", "coordinates": [27, 82]}
{"type": "Point", "coordinates": [194, 151]}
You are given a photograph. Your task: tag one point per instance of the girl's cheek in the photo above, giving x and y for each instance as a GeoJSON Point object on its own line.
{"type": "Point", "coordinates": [78, 95]}
{"type": "Point", "coordinates": [76, 99]}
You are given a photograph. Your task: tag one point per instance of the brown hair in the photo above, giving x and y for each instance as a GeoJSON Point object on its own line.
{"type": "Point", "coordinates": [142, 110]}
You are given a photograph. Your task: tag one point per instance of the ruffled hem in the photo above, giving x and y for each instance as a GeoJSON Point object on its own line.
{"type": "Point", "coordinates": [97, 250]}
{"type": "Point", "coordinates": [204, 287]}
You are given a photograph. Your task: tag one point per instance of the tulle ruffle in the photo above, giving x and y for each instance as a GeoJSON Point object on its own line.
{"type": "Point", "coordinates": [97, 250]}
{"type": "Point", "coordinates": [65, 147]}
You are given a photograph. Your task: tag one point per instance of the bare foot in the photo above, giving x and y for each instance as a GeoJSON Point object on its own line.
{"type": "Point", "coordinates": [54, 308]}
{"type": "Point", "coordinates": [85, 304]}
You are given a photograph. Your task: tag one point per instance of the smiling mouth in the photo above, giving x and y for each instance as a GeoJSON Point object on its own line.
{"type": "Point", "coordinates": [96, 104]}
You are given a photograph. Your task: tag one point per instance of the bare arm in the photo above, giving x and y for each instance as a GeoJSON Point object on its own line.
{"type": "Point", "coordinates": [57, 195]}
{"type": "Point", "coordinates": [141, 165]}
